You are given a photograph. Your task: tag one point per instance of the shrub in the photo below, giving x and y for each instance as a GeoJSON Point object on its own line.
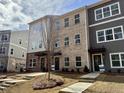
{"type": "Point", "coordinates": [86, 69]}
{"type": "Point", "coordinates": [72, 70]}
{"type": "Point", "coordinates": [119, 70]}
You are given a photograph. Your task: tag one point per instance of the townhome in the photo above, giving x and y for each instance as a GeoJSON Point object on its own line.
{"type": "Point", "coordinates": [38, 29]}
{"type": "Point", "coordinates": [70, 46]}
{"type": "Point", "coordinates": [13, 49]}
{"type": "Point", "coordinates": [73, 41]}
{"type": "Point", "coordinates": [106, 35]}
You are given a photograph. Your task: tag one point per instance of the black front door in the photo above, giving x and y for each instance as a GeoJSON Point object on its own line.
{"type": "Point", "coordinates": [42, 64]}
{"type": "Point", "coordinates": [97, 61]}
{"type": "Point", "coordinates": [57, 63]}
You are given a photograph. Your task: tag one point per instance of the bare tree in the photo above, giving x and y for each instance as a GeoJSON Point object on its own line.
{"type": "Point", "coordinates": [48, 39]}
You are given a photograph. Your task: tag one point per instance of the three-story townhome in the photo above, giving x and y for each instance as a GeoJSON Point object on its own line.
{"type": "Point", "coordinates": [13, 49]}
{"type": "Point", "coordinates": [106, 35]}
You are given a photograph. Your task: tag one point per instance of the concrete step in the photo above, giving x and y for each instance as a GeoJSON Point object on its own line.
{"type": "Point", "coordinates": [2, 88]}
{"type": "Point", "coordinates": [5, 85]}
{"type": "Point", "coordinates": [86, 80]}
{"type": "Point", "coordinates": [76, 88]}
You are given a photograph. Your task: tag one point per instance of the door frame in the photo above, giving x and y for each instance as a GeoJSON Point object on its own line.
{"type": "Point", "coordinates": [93, 60]}
{"type": "Point", "coordinates": [44, 62]}
{"type": "Point", "coordinates": [59, 62]}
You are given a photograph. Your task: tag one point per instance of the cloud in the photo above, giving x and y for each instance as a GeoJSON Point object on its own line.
{"type": "Point", "coordinates": [15, 14]}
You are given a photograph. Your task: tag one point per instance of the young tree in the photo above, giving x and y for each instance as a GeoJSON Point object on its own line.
{"type": "Point", "coordinates": [48, 39]}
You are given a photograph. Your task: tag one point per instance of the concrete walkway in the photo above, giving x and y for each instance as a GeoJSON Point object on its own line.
{"type": "Point", "coordinates": [31, 74]}
{"type": "Point", "coordinates": [93, 75]}
{"type": "Point", "coordinates": [76, 88]}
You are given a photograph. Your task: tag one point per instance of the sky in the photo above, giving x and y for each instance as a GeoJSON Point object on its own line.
{"type": "Point", "coordinates": [16, 14]}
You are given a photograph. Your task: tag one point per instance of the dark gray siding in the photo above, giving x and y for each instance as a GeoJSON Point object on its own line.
{"type": "Point", "coordinates": [4, 57]}
{"type": "Point", "coordinates": [113, 46]}
{"type": "Point", "coordinates": [92, 15]}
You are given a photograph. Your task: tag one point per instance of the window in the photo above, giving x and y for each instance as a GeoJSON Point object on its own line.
{"type": "Point", "coordinates": [57, 43]}
{"type": "Point", "coordinates": [117, 60]}
{"type": "Point", "coordinates": [77, 39]}
{"type": "Point", "coordinates": [4, 37]}
{"type": "Point", "coordinates": [66, 41]}
{"type": "Point", "coordinates": [66, 22]}
{"type": "Point", "coordinates": [20, 41]}
{"type": "Point", "coordinates": [107, 11]}
{"type": "Point", "coordinates": [78, 61]}
{"type": "Point", "coordinates": [32, 63]}
{"type": "Point", "coordinates": [12, 51]}
{"type": "Point", "coordinates": [23, 55]}
{"type": "Point", "coordinates": [77, 18]}
{"type": "Point", "coordinates": [2, 50]}
{"type": "Point", "coordinates": [57, 25]}
{"type": "Point", "coordinates": [66, 60]}
{"type": "Point", "coordinates": [110, 34]}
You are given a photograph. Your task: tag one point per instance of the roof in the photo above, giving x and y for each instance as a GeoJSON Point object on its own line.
{"type": "Point", "coordinates": [98, 3]}
{"type": "Point", "coordinates": [41, 18]}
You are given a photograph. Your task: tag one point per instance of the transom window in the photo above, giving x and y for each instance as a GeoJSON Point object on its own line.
{"type": "Point", "coordinates": [32, 63]}
{"type": "Point", "coordinates": [66, 22]}
{"type": "Point", "coordinates": [110, 34]}
{"type": "Point", "coordinates": [2, 50]}
{"type": "Point", "coordinates": [77, 39]}
{"type": "Point", "coordinates": [77, 18]}
{"type": "Point", "coordinates": [4, 37]}
{"type": "Point", "coordinates": [66, 60]}
{"type": "Point", "coordinates": [66, 41]}
{"type": "Point", "coordinates": [117, 60]}
{"type": "Point", "coordinates": [78, 61]}
{"type": "Point", "coordinates": [107, 11]}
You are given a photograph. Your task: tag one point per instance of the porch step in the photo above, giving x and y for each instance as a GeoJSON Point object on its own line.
{"type": "Point", "coordinates": [90, 76]}
{"type": "Point", "coordinates": [2, 88]}
{"type": "Point", "coordinates": [86, 80]}
{"type": "Point", "coordinates": [5, 85]}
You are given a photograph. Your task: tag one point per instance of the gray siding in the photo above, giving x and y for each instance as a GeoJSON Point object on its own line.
{"type": "Point", "coordinates": [92, 15]}
{"type": "Point", "coordinates": [113, 46]}
{"type": "Point", "coordinates": [4, 57]}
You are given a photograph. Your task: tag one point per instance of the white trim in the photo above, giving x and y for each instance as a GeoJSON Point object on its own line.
{"type": "Point", "coordinates": [110, 11]}
{"type": "Point", "coordinates": [18, 46]}
{"type": "Point", "coordinates": [93, 59]}
{"type": "Point", "coordinates": [119, 53]}
{"type": "Point", "coordinates": [112, 34]}
{"type": "Point", "coordinates": [77, 39]}
{"type": "Point", "coordinates": [108, 21]}
{"type": "Point", "coordinates": [66, 61]}
{"type": "Point", "coordinates": [78, 61]}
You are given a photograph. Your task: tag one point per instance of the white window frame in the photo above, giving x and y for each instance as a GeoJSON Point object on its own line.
{"type": "Point", "coordinates": [112, 33]}
{"type": "Point", "coordinates": [2, 50]}
{"type": "Point", "coordinates": [58, 43]}
{"type": "Point", "coordinates": [66, 41]}
{"type": "Point", "coordinates": [78, 39]}
{"type": "Point", "coordinates": [66, 22]}
{"type": "Point", "coordinates": [78, 61]}
{"type": "Point", "coordinates": [32, 62]}
{"type": "Point", "coordinates": [78, 18]}
{"type": "Point", "coordinates": [110, 11]}
{"type": "Point", "coordinates": [4, 37]}
{"type": "Point", "coordinates": [119, 60]}
{"type": "Point", "coordinates": [66, 61]}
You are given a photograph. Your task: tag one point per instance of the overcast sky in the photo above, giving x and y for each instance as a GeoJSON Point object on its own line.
{"type": "Point", "coordinates": [15, 14]}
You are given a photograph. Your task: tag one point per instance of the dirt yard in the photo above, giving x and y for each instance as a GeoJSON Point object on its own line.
{"type": "Point", "coordinates": [105, 83]}
{"type": "Point", "coordinates": [27, 86]}
{"type": "Point", "coordinates": [108, 83]}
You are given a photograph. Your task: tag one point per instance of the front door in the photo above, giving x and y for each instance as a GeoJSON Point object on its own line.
{"type": "Point", "coordinates": [97, 61]}
{"type": "Point", "coordinates": [42, 64]}
{"type": "Point", "coordinates": [57, 63]}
